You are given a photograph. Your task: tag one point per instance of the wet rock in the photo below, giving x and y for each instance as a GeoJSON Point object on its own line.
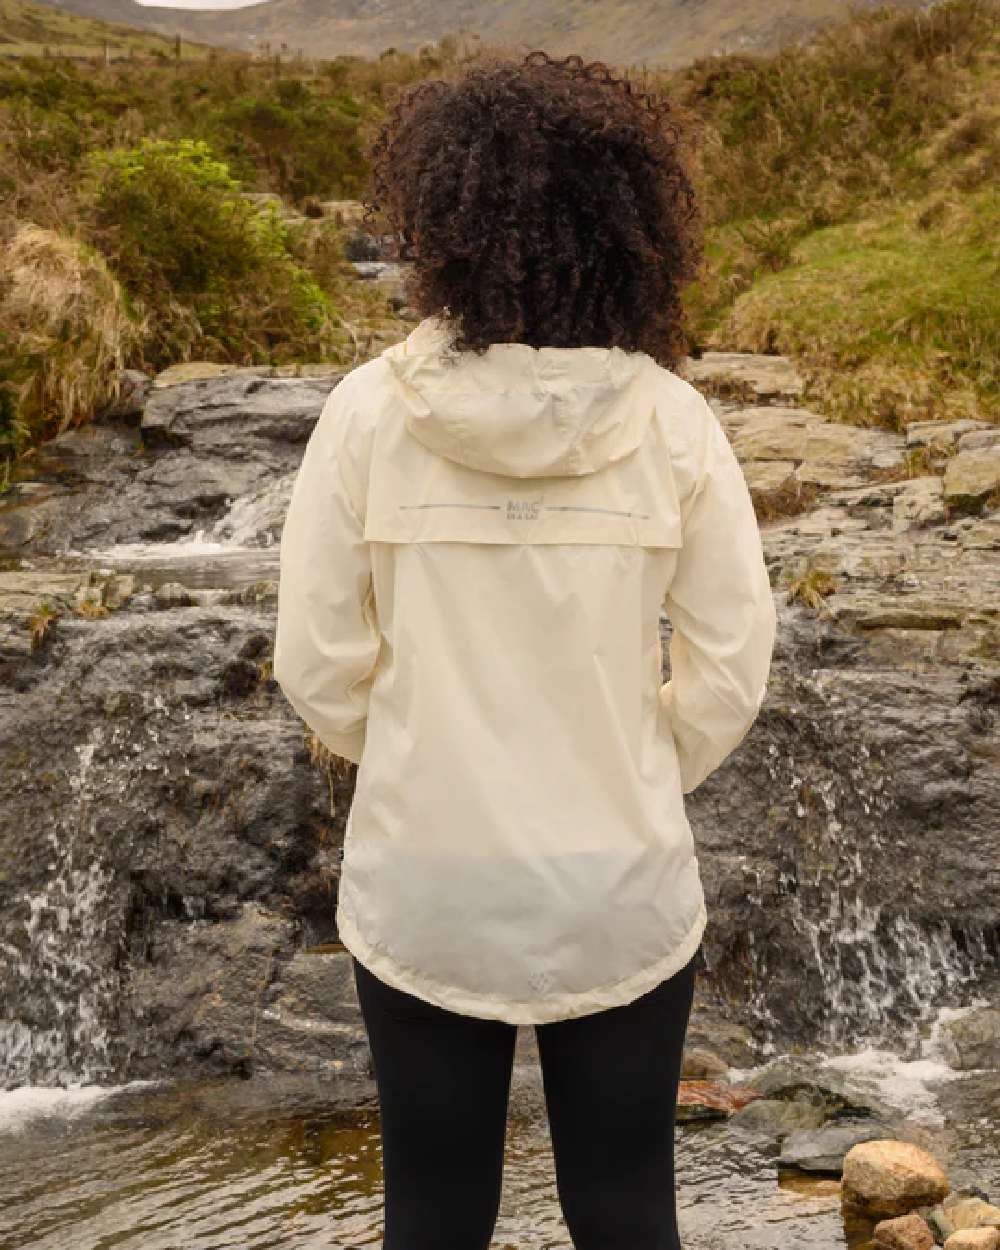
{"type": "Point", "coordinates": [889, 1177]}
{"type": "Point", "coordinates": [311, 1020]}
{"type": "Point", "coordinates": [711, 1029]}
{"type": "Point", "coordinates": [823, 1149]}
{"type": "Point", "coordinates": [904, 1232]}
{"type": "Point", "coordinates": [208, 435]}
{"type": "Point", "coordinates": [970, 477]}
{"type": "Point", "coordinates": [974, 1239]}
{"type": "Point", "coordinates": [834, 1093]}
{"type": "Point", "coordinates": [973, 1040]}
{"type": "Point", "coordinates": [204, 988]}
{"type": "Point", "coordinates": [778, 1116]}
{"type": "Point", "coordinates": [711, 1100]}
{"type": "Point", "coordinates": [173, 595]}
{"type": "Point", "coordinates": [702, 1064]}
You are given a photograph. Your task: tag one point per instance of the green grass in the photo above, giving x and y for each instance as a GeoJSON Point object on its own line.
{"type": "Point", "coordinates": [890, 318]}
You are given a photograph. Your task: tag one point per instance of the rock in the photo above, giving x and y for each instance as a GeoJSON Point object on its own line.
{"type": "Point", "coordinates": [919, 503]}
{"type": "Point", "coordinates": [904, 1232]}
{"type": "Point", "coordinates": [746, 376]}
{"type": "Point", "coordinates": [711, 1029]}
{"type": "Point", "coordinates": [973, 1213]}
{"type": "Point", "coordinates": [970, 477]}
{"type": "Point", "coordinates": [173, 595]}
{"type": "Point", "coordinates": [310, 1019]}
{"type": "Point", "coordinates": [710, 1100]}
{"type": "Point", "coordinates": [943, 433]}
{"type": "Point", "coordinates": [937, 1220]}
{"type": "Point", "coordinates": [702, 1064]}
{"type": "Point", "coordinates": [889, 1177]}
{"type": "Point", "coordinates": [974, 1239]}
{"type": "Point", "coordinates": [802, 1080]}
{"type": "Point", "coordinates": [767, 475]}
{"type": "Point", "coordinates": [343, 212]}
{"type": "Point", "coordinates": [973, 1040]}
{"type": "Point", "coordinates": [134, 386]}
{"type": "Point", "coordinates": [979, 439]}
{"type": "Point", "coordinates": [778, 1116]}
{"type": "Point", "coordinates": [823, 1149]}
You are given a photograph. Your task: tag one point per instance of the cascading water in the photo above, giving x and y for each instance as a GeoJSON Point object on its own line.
{"type": "Point", "coordinates": [54, 963]}
{"type": "Point", "coordinates": [873, 975]}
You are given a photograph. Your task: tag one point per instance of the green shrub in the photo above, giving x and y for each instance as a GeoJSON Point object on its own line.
{"type": "Point", "coordinates": [210, 269]}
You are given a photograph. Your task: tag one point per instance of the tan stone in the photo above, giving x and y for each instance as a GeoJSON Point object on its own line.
{"type": "Point", "coordinates": [768, 475]}
{"type": "Point", "coordinates": [700, 1064]}
{"type": "Point", "coordinates": [944, 433]}
{"type": "Point", "coordinates": [974, 1239]}
{"type": "Point", "coordinates": [920, 503]}
{"type": "Point", "coordinates": [974, 1213]}
{"type": "Point", "coordinates": [890, 1177]}
{"type": "Point", "coordinates": [971, 476]}
{"type": "Point", "coordinates": [904, 1232]}
{"type": "Point", "coordinates": [761, 376]}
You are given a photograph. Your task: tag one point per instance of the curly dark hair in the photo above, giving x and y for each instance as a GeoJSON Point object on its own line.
{"type": "Point", "coordinates": [542, 202]}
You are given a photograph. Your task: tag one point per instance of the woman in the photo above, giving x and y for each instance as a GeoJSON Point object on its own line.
{"type": "Point", "coordinates": [488, 519]}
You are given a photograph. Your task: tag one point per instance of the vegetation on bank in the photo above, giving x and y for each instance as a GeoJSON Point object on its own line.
{"type": "Point", "coordinates": [849, 188]}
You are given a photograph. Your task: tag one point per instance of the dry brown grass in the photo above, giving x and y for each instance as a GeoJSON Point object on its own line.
{"type": "Point", "coordinates": [67, 317]}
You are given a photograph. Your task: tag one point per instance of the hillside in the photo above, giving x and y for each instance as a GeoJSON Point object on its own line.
{"type": "Point", "coordinates": [661, 32]}
{"type": "Point", "coordinates": [27, 29]}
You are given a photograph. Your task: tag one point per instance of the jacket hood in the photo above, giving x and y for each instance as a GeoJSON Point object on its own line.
{"type": "Point", "coordinates": [518, 410]}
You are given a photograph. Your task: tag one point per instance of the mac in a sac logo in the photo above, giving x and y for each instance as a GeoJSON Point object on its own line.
{"type": "Point", "coordinates": [523, 509]}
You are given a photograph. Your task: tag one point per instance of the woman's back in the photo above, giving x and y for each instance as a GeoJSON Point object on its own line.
{"type": "Point", "coordinates": [517, 846]}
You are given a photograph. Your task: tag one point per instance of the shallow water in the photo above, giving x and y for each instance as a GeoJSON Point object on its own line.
{"type": "Point", "coordinates": [296, 1162]}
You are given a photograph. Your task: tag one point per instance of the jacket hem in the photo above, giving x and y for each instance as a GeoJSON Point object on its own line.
{"type": "Point", "coordinates": [350, 746]}
{"type": "Point", "coordinates": [553, 1007]}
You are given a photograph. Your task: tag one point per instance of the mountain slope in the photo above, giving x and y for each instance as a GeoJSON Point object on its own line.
{"type": "Point", "coordinates": [657, 32]}
{"type": "Point", "coordinates": [27, 27]}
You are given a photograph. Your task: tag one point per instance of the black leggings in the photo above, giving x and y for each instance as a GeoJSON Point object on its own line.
{"type": "Point", "coordinates": [610, 1081]}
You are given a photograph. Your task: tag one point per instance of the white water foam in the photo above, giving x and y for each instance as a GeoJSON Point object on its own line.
{"type": "Point", "coordinates": [20, 1107]}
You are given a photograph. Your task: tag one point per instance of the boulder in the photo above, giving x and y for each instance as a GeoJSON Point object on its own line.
{"type": "Point", "coordinates": [903, 1232]}
{"type": "Point", "coordinates": [974, 1239]}
{"type": "Point", "coordinates": [823, 1149]}
{"type": "Point", "coordinates": [702, 1064]}
{"type": "Point", "coordinates": [973, 1213]}
{"type": "Point", "coordinates": [971, 477]}
{"type": "Point", "coordinates": [973, 1040]}
{"type": "Point", "coordinates": [890, 1177]}
{"type": "Point", "coordinates": [711, 1100]}
{"type": "Point", "coordinates": [778, 1117]}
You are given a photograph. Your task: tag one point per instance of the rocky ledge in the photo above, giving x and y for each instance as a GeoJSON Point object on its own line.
{"type": "Point", "coordinates": [171, 849]}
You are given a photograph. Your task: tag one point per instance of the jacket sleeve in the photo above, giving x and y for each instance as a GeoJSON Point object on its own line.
{"type": "Point", "coordinates": [327, 635]}
{"type": "Point", "coordinates": [721, 608]}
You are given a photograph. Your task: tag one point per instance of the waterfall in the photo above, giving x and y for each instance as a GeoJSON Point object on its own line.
{"type": "Point", "coordinates": [64, 994]}
{"type": "Point", "coordinates": [874, 973]}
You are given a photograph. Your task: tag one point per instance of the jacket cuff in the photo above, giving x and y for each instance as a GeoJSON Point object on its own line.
{"type": "Point", "coordinates": [348, 745]}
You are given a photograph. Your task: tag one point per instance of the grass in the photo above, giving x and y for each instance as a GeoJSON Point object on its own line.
{"type": "Point", "coordinates": [889, 318]}
{"type": "Point", "coordinates": [28, 29]}
{"type": "Point", "coordinates": [848, 187]}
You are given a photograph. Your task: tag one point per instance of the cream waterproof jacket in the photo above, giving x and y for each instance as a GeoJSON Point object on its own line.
{"type": "Point", "coordinates": [474, 561]}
